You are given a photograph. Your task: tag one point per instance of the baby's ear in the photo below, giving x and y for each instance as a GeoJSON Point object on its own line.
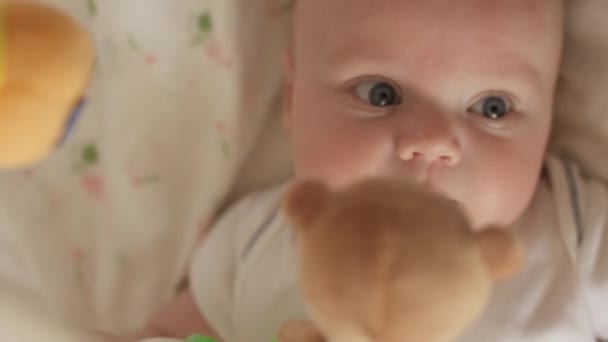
{"type": "Point", "coordinates": [303, 202]}
{"type": "Point", "coordinates": [503, 254]}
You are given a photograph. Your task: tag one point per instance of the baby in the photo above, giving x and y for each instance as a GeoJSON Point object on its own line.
{"type": "Point", "coordinates": [456, 95]}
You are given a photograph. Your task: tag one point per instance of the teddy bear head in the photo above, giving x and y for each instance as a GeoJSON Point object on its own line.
{"type": "Point", "coordinates": [385, 260]}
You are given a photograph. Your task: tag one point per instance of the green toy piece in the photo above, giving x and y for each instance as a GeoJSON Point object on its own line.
{"type": "Point", "coordinates": [200, 338]}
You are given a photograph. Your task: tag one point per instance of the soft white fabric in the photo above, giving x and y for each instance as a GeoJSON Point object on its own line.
{"type": "Point", "coordinates": [581, 125]}
{"type": "Point", "coordinates": [244, 274]}
{"type": "Point", "coordinates": [102, 232]}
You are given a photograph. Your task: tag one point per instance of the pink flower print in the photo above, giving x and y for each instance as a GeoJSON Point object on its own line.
{"type": "Point", "coordinates": [28, 173]}
{"type": "Point", "coordinates": [221, 126]}
{"type": "Point", "coordinates": [91, 182]}
{"type": "Point", "coordinates": [78, 255]}
{"type": "Point", "coordinates": [215, 52]}
{"type": "Point", "coordinates": [140, 172]}
{"type": "Point", "coordinates": [135, 183]}
{"type": "Point", "coordinates": [151, 59]}
{"type": "Point", "coordinates": [94, 185]}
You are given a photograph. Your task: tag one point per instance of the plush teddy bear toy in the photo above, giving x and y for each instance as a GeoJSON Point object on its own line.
{"type": "Point", "coordinates": [46, 62]}
{"type": "Point", "coordinates": [384, 260]}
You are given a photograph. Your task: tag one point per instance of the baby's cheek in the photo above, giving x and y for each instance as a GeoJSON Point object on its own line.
{"type": "Point", "coordinates": [332, 161]}
{"type": "Point", "coordinates": [509, 184]}
{"type": "Point", "coordinates": [338, 156]}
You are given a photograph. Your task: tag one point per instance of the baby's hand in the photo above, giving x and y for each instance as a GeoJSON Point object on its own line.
{"type": "Point", "coordinates": [129, 338]}
{"type": "Point", "coordinates": [193, 338]}
{"type": "Point", "coordinates": [180, 318]}
{"type": "Point", "coordinates": [115, 338]}
{"type": "Point", "coordinates": [299, 331]}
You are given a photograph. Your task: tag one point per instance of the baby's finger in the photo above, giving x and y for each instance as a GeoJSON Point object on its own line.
{"type": "Point", "coordinates": [299, 331]}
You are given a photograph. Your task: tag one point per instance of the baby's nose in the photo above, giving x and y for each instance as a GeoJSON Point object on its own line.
{"type": "Point", "coordinates": [435, 145]}
{"type": "Point", "coordinates": [445, 154]}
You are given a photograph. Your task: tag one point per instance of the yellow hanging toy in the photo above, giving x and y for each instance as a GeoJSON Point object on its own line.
{"type": "Point", "coordinates": [2, 44]}
{"type": "Point", "coordinates": [46, 63]}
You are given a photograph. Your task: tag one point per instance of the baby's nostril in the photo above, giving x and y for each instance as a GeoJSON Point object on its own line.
{"type": "Point", "coordinates": [445, 160]}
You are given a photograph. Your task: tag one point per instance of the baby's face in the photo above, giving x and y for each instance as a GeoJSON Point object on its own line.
{"type": "Point", "coordinates": [454, 94]}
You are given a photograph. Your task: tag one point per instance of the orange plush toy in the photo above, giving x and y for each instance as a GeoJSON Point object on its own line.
{"type": "Point", "coordinates": [389, 261]}
{"type": "Point", "coordinates": [46, 61]}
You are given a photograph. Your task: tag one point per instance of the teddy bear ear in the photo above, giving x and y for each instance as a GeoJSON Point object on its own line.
{"type": "Point", "coordinates": [503, 254]}
{"type": "Point", "coordinates": [303, 202]}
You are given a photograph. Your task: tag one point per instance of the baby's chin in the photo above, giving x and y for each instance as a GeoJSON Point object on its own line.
{"type": "Point", "coordinates": [481, 220]}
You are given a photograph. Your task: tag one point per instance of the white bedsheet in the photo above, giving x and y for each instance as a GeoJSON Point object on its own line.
{"type": "Point", "coordinates": [103, 230]}
{"type": "Point", "coordinates": [582, 101]}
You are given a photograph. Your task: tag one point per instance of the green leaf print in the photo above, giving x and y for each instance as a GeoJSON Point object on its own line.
{"type": "Point", "coordinates": [204, 27]}
{"type": "Point", "coordinates": [92, 6]}
{"type": "Point", "coordinates": [205, 23]}
{"type": "Point", "coordinates": [133, 43]}
{"type": "Point", "coordinates": [225, 149]}
{"type": "Point", "coordinates": [90, 155]}
{"type": "Point", "coordinates": [287, 6]}
{"type": "Point", "coordinates": [138, 182]}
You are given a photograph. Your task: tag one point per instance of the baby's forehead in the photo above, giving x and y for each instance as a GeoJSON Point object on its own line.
{"type": "Point", "coordinates": [423, 15]}
{"type": "Point", "coordinates": [421, 7]}
{"type": "Point", "coordinates": [393, 29]}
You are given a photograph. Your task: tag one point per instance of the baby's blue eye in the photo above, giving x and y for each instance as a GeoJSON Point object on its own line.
{"type": "Point", "coordinates": [492, 107]}
{"type": "Point", "coordinates": [378, 94]}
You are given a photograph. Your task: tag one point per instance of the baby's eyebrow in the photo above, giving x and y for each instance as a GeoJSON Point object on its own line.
{"type": "Point", "coordinates": [509, 67]}
{"type": "Point", "coordinates": [514, 69]}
